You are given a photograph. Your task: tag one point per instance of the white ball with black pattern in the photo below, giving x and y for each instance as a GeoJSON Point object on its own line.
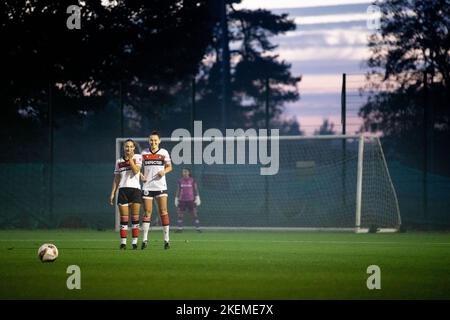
{"type": "Point", "coordinates": [48, 252]}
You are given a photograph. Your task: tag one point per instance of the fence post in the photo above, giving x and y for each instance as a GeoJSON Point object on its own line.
{"type": "Point", "coordinates": [266, 181]}
{"type": "Point", "coordinates": [51, 154]}
{"type": "Point", "coordinates": [425, 147]}
{"type": "Point", "coordinates": [344, 130]}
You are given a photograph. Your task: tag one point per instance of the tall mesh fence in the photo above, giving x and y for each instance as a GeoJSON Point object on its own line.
{"type": "Point", "coordinates": [61, 173]}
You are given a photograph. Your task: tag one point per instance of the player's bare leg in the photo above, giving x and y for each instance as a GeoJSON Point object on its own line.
{"type": "Point", "coordinates": [164, 214]}
{"type": "Point", "coordinates": [123, 209]}
{"type": "Point", "coordinates": [148, 207]}
{"type": "Point", "coordinates": [135, 223]}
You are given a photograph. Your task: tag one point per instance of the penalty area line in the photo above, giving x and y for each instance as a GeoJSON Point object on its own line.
{"type": "Point", "coordinates": [239, 241]}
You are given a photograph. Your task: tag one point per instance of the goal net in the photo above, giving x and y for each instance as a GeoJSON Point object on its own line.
{"type": "Point", "coordinates": [322, 183]}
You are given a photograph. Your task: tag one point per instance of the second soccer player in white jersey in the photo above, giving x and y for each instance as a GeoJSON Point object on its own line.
{"type": "Point", "coordinates": [156, 162]}
{"type": "Point", "coordinates": [126, 179]}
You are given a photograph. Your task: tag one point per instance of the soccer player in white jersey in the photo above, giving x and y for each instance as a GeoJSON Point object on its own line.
{"type": "Point", "coordinates": [157, 164]}
{"type": "Point", "coordinates": [126, 178]}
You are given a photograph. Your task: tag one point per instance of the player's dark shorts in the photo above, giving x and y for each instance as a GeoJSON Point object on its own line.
{"type": "Point", "coordinates": [186, 206]}
{"type": "Point", "coordinates": [148, 194]}
{"type": "Point", "coordinates": [128, 195]}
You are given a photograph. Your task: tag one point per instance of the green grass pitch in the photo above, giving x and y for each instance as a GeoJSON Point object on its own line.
{"type": "Point", "coordinates": [227, 265]}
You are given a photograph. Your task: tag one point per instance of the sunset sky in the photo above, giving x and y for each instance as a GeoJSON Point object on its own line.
{"type": "Point", "coordinates": [330, 39]}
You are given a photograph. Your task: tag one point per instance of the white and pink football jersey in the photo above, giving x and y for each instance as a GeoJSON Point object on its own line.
{"type": "Point", "coordinates": [153, 163]}
{"type": "Point", "coordinates": [127, 178]}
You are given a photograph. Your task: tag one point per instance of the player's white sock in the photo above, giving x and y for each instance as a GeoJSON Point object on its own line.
{"type": "Point", "coordinates": [166, 233]}
{"type": "Point", "coordinates": [145, 228]}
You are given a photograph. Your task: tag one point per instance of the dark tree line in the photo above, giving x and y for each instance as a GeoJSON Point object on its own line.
{"type": "Point", "coordinates": [410, 78]}
{"type": "Point", "coordinates": [138, 58]}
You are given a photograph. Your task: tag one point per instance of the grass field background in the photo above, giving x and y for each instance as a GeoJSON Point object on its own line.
{"type": "Point", "coordinates": [227, 265]}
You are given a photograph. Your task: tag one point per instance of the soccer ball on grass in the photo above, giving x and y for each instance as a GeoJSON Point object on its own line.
{"type": "Point", "coordinates": [48, 252]}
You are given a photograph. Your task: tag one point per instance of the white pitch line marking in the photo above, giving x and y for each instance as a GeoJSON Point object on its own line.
{"type": "Point", "coordinates": [237, 240]}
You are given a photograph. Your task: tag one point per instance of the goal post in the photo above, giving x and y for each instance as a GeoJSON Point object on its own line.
{"type": "Point", "coordinates": [359, 180]}
{"type": "Point", "coordinates": [332, 182]}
